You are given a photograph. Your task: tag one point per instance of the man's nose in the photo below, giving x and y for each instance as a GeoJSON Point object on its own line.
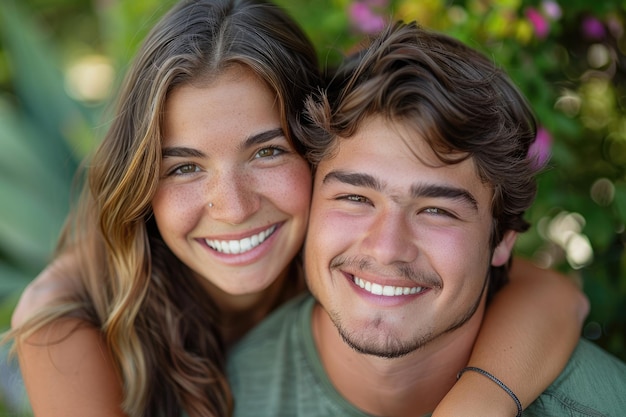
{"type": "Point", "coordinates": [390, 238]}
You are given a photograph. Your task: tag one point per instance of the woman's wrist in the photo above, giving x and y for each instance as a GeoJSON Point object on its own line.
{"type": "Point", "coordinates": [474, 395]}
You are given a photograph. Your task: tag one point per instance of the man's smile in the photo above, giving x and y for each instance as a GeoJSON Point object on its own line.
{"type": "Point", "coordinates": [385, 290]}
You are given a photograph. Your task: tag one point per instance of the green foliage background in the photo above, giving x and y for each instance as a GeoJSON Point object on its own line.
{"type": "Point", "coordinates": [575, 81]}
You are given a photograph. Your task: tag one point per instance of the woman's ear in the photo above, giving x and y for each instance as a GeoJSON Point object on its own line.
{"type": "Point", "coordinates": [502, 252]}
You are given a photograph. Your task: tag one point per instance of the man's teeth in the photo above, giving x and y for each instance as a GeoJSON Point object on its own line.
{"type": "Point", "coordinates": [236, 247]}
{"type": "Point", "coordinates": [386, 290]}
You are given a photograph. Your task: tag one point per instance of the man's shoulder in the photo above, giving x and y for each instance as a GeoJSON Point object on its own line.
{"type": "Point", "coordinates": [270, 345]}
{"type": "Point", "coordinates": [592, 384]}
{"type": "Point", "coordinates": [276, 370]}
{"type": "Point", "coordinates": [273, 370]}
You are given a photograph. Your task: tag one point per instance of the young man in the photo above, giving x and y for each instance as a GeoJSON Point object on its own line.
{"type": "Point", "coordinates": [421, 185]}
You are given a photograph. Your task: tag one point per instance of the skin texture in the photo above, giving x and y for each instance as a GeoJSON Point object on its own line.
{"type": "Point", "coordinates": [380, 223]}
{"type": "Point", "coordinates": [223, 144]}
{"type": "Point", "coordinates": [68, 371]}
{"type": "Point", "coordinates": [382, 215]}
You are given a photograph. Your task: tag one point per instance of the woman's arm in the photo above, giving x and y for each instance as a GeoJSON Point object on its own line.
{"type": "Point", "coordinates": [68, 372]}
{"type": "Point", "coordinates": [66, 366]}
{"type": "Point", "coordinates": [530, 329]}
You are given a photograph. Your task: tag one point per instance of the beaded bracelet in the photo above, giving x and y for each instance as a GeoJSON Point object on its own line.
{"type": "Point", "coordinates": [497, 381]}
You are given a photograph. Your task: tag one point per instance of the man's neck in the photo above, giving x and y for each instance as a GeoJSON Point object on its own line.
{"type": "Point", "coordinates": [411, 385]}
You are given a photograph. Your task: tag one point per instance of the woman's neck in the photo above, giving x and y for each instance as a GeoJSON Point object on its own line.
{"type": "Point", "coordinates": [240, 313]}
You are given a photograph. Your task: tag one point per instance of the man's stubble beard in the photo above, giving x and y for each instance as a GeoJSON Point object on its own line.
{"type": "Point", "coordinates": [393, 346]}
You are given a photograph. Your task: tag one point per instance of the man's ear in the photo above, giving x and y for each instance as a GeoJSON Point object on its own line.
{"type": "Point", "coordinates": [502, 252]}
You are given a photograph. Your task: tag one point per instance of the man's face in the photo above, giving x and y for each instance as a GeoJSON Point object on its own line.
{"type": "Point", "coordinates": [398, 247]}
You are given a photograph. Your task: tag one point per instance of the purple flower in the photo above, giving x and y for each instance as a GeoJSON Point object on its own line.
{"type": "Point", "coordinates": [593, 28]}
{"type": "Point", "coordinates": [364, 19]}
{"type": "Point", "coordinates": [540, 151]}
{"type": "Point", "coordinates": [539, 22]}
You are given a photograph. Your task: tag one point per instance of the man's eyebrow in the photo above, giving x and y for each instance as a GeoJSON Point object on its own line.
{"type": "Point", "coordinates": [262, 137]}
{"type": "Point", "coordinates": [444, 191]}
{"type": "Point", "coordinates": [418, 190]}
{"type": "Point", "coordinates": [354, 178]}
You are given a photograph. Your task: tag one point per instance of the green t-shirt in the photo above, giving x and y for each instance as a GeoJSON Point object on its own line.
{"type": "Point", "coordinates": [275, 371]}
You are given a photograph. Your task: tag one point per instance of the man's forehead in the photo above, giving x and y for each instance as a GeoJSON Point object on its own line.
{"type": "Point", "coordinates": [394, 153]}
{"type": "Point", "coordinates": [379, 132]}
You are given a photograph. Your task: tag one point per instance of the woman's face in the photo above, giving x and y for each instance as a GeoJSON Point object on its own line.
{"type": "Point", "coordinates": [233, 196]}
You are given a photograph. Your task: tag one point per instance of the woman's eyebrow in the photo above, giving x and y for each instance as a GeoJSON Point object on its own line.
{"type": "Point", "coordinates": [262, 137]}
{"type": "Point", "coordinates": [182, 152]}
{"type": "Point", "coordinates": [185, 152]}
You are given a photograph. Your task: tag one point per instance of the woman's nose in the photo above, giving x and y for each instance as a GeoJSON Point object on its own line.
{"type": "Point", "coordinates": [232, 198]}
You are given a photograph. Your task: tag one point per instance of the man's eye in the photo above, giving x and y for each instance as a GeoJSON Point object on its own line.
{"type": "Point", "coordinates": [269, 152]}
{"type": "Point", "coordinates": [356, 198]}
{"type": "Point", "coordinates": [436, 211]}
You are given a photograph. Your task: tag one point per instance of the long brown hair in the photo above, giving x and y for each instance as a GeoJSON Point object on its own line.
{"type": "Point", "coordinates": [160, 325]}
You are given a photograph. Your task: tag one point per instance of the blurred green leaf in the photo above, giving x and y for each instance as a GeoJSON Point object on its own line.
{"type": "Point", "coordinates": [620, 201]}
{"type": "Point", "coordinates": [39, 84]}
{"type": "Point", "coordinates": [13, 280]}
{"type": "Point", "coordinates": [36, 165]}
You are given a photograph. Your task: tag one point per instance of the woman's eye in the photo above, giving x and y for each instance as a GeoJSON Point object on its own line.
{"type": "Point", "coordinates": [186, 169]}
{"type": "Point", "coordinates": [269, 152]}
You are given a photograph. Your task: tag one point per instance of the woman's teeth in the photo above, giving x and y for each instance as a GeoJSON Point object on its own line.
{"type": "Point", "coordinates": [236, 247]}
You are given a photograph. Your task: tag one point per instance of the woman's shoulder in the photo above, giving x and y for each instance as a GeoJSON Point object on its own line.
{"type": "Point", "coordinates": [58, 281]}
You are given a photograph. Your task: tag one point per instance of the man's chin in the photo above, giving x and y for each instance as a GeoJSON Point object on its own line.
{"type": "Point", "coordinates": [387, 347]}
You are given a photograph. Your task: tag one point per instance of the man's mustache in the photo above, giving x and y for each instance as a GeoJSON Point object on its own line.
{"type": "Point", "coordinates": [398, 270]}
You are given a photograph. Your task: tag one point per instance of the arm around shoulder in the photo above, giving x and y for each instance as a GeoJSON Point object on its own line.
{"type": "Point", "coordinates": [68, 371]}
{"type": "Point", "coordinates": [529, 331]}
{"type": "Point", "coordinates": [66, 366]}
{"type": "Point", "coordinates": [58, 281]}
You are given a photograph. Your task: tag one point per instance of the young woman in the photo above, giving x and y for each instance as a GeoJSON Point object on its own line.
{"type": "Point", "coordinates": [189, 228]}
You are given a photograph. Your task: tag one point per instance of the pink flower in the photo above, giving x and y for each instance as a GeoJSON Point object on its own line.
{"type": "Point", "coordinates": [377, 3]}
{"type": "Point", "coordinates": [551, 9]}
{"type": "Point", "coordinates": [539, 22]}
{"type": "Point", "coordinates": [540, 151]}
{"type": "Point", "coordinates": [593, 28]}
{"type": "Point", "coordinates": [364, 19]}
{"type": "Point", "coordinates": [615, 26]}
